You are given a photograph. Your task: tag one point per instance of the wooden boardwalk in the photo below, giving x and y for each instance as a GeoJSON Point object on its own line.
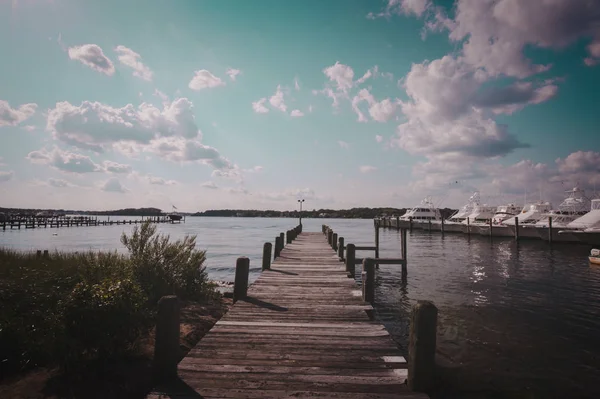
{"type": "Point", "coordinates": [302, 332]}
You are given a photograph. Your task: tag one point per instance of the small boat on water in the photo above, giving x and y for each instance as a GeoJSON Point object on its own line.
{"type": "Point", "coordinates": [174, 216]}
{"type": "Point", "coordinates": [595, 256]}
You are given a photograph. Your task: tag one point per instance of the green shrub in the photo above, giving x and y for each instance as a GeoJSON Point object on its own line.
{"type": "Point", "coordinates": [166, 268]}
{"type": "Point", "coordinates": [103, 320]}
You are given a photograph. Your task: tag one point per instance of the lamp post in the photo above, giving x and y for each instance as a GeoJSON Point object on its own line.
{"type": "Point", "coordinates": [300, 201]}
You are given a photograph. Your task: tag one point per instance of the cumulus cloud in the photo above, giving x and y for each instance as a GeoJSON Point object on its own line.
{"type": "Point", "coordinates": [178, 149]}
{"type": "Point", "coordinates": [277, 100]}
{"type": "Point", "coordinates": [343, 144]}
{"type": "Point", "coordinates": [133, 60]}
{"type": "Point", "coordinates": [6, 175]}
{"type": "Point", "coordinates": [160, 181]}
{"type": "Point", "coordinates": [367, 168]}
{"type": "Point", "coordinates": [289, 194]}
{"type": "Point", "coordinates": [203, 79]}
{"type": "Point", "coordinates": [296, 84]}
{"type": "Point", "coordinates": [296, 113]}
{"type": "Point", "coordinates": [233, 73]}
{"type": "Point", "coordinates": [259, 106]}
{"type": "Point", "coordinates": [13, 116]}
{"type": "Point", "coordinates": [210, 184]}
{"type": "Point", "coordinates": [378, 138]}
{"type": "Point", "coordinates": [403, 7]}
{"type": "Point", "coordinates": [340, 74]}
{"type": "Point", "coordinates": [113, 185]}
{"type": "Point", "coordinates": [58, 183]}
{"type": "Point", "coordinates": [29, 128]}
{"type": "Point", "coordinates": [379, 111]}
{"type": "Point", "coordinates": [91, 55]}
{"type": "Point", "coordinates": [114, 167]}
{"type": "Point", "coordinates": [96, 126]}
{"type": "Point", "coordinates": [64, 161]}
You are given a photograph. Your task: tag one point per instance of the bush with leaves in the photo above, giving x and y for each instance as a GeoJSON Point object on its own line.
{"type": "Point", "coordinates": [163, 267]}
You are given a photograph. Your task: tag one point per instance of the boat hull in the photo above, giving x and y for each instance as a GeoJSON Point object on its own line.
{"type": "Point", "coordinates": [595, 260]}
{"type": "Point", "coordinates": [587, 237]}
{"type": "Point", "coordinates": [544, 234]}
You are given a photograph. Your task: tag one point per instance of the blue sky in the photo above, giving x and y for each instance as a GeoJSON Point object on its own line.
{"type": "Point", "coordinates": [207, 104]}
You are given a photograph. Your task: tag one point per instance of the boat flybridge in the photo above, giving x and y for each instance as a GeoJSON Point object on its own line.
{"type": "Point", "coordinates": [455, 222]}
{"type": "Point", "coordinates": [503, 212]}
{"type": "Point", "coordinates": [574, 206]}
{"type": "Point", "coordinates": [421, 215]}
{"type": "Point", "coordinates": [530, 215]}
{"type": "Point", "coordinates": [478, 222]}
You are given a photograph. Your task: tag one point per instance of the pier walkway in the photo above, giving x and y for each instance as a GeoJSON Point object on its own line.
{"type": "Point", "coordinates": [303, 331]}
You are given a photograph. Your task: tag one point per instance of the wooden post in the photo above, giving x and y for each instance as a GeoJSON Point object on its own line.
{"type": "Point", "coordinates": [410, 223]}
{"type": "Point", "coordinates": [350, 259]}
{"type": "Point", "coordinates": [397, 222]}
{"type": "Point", "coordinates": [516, 228]}
{"type": "Point", "coordinates": [166, 346]}
{"type": "Point", "coordinates": [38, 253]}
{"type": "Point", "coordinates": [334, 239]}
{"type": "Point", "coordinates": [404, 249]}
{"type": "Point", "coordinates": [429, 224]}
{"type": "Point", "coordinates": [340, 248]}
{"type": "Point", "coordinates": [278, 246]}
{"type": "Point", "coordinates": [377, 242]}
{"type": "Point", "coordinates": [46, 254]}
{"type": "Point", "coordinates": [266, 261]}
{"type": "Point", "coordinates": [550, 230]}
{"type": "Point", "coordinates": [468, 227]}
{"type": "Point", "coordinates": [368, 280]}
{"type": "Point", "coordinates": [421, 346]}
{"type": "Point", "coordinates": [329, 236]}
{"type": "Point", "coordinates": [282, 236]}
{"type": "Point", "coordinates": [288, 237]}
{"type": "Point", "coordinates": [240, 285]}
{"type": "Point", "coordinates": [491, 229]}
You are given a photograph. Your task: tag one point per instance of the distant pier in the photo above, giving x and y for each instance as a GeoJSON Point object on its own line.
{"type": "Point", "coordinates": [32, 222]}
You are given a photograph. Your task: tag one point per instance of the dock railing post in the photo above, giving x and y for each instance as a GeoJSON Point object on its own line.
{"type": "Point", "coordinates": [240, 285]}
{"type": "Point", "coordinates": [341, 248]}
{"type": "Point", "coordinates": [404, 252]}
{"type": "Point", "coordinates": [334, 239]}
{"type": "Point", "coordinates": [277, 247]}
{"type": "Point", "coordinates": [491, 227]}
{"type": "Point", "coordinates": [377, 243]}
{"type": "Point", "coordinates": [468, 227]}
{"type": "Point", "coordinates": [266, 260]}
{"type": "Point", "coordinates": [516, 228]}
{"type": "Point", "coordinates": [368, 280]}
{"type": "Point", "coordinates": [329, 236]}
{"type": "Point", "coordinates": [442, 226]}
{"type": "Point", "coordinates": [288, 237]}
{"type": "Point", "coordinates": [166, 346]}
{"type": "Point", "coordinates": [282, 237]}
{"type": "Point", "coordinates": [410, 223]}
{"type": "Point", "coordinates": [421, 346]}
{"type": "Point", "coordinates": [550, 230]}
{"type": "Point", "coordinates": [351, 259]}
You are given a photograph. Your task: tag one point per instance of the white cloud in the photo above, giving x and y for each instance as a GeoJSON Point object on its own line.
{"type": "Point", "coordinates": [210, 184]}
{"type": "Point", "coordinates": [64, 161]}
{"type": "Point", "coordinates": [403, 7]}
{"type": "Point", "coordinates": [367, 169]}
{"type": "Point", "coordinates": [255, 169]}
{"type": "Point", "coordinates": [378, 138]}
{"type": "Point", "coordinates": [29, 128]}
{"type": "Point", "coordinates": [233, 73]}
{"type": "Point", "coordinates": [296, 84]}
{"type": "Point", "coordinates": [114, 167]}
{"type": "Point", "coordinates": [178, 149]}
{"type": "Point", "coordinates": [160, 181]}
{"type": "Point", "coordinates": [290, 194]}
{"type": "Point", "coordinates": [91, 55]}
{"type": "Point", "coordinates": [96, 126]}
{"type": "Point", "coordinates": [59, 183]}
{"type": "Point", "coordinates": [380, 111]}
{"type": "Point", "coordinates": [340, 74]}
{"type": "Point", "coordinates": [373, 72]}
{"type": "Point", "coordinates": [297, 113]}
{"type": "Point", "coordinates": [130, 58]}
{"type": "Point", "coordinates": [277, 100]}
{"type": "Point", "coordinates": [6, 175]}
{"type": "Point", "coordinates": [259, 106]}
{"type": "Point", "coordinates": [113, 185]}
{"type": "Point", "coordinates": [343, 144]}
{"type": "Point", "coordinates": [203, 79]}
{"type": "Point", "coordinates": [13, 116]}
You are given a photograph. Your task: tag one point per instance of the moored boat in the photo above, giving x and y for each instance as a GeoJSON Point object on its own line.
{"type": "Point", "coordinates": [595, 256]}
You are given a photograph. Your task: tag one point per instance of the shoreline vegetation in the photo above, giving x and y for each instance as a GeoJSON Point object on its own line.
{"type": "Point", "coordinates": [81, 324]}
{"type": "Point", "coordinates": [353, 213]}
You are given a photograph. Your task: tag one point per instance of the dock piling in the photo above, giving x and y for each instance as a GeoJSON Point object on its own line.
{"type": "Point", "coordinates": [334, 243]}
{"type": "Point", "coordinates": [421, 346]}
{"type": "Point", "coordinates": [166, 347]}
{"type": "Point", "coordinates": [282, 237]}
{"type": "Point", "coordinates": [550, 230]}
{"type": "Point", "coordinates": [278, 246]}
{"type": "Point", "coordinates": [340, 248]}
{"type": "Point", "coordinates": [240, 285]}
{"type": "Point", "coordinates": [516, 228]}
{"type": "Point", "coordinates": [351, 260]}
{"type": "Point", "coordinates": [368, 280]}
{"type": "Point", "coordinates": [266, 260]}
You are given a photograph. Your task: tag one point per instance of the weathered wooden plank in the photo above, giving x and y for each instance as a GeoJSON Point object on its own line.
{"type": "Point", "coordinates": [302, 331]}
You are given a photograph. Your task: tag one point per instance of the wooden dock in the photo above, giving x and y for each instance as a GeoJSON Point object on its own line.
{"type": "Point", "coordinates": [302, 331]}
{"type": "Point", "coordinates": [75, 221]}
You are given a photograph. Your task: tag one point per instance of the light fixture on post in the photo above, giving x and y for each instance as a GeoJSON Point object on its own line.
{"type": "Point", "coordinates": [300, 218]}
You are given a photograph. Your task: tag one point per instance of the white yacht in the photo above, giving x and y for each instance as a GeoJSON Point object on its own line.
{"type": "Point", "coordinates": [480, 218]}
{"type": "Point", "coordinates": [585, 228]}
{"type": "Point", "coordinates": [529, 216]}
{"type": "Point", "coordinates": [503, 212]}
{"type": "Point", "coordinates": [454, 222]}
{"type": "Point", "coordinates": [421, 216]}
{"type": "Point", "coordinates": [573, 207]}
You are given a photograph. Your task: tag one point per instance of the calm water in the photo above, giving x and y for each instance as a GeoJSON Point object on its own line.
{"type": "Point", "coordinates": [511, 316]}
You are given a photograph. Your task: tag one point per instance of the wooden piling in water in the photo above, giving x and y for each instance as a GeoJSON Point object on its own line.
{"type": "Point", "coordinates": [516, 228]}
{"type": "Point", "coordinates": [491, 229]}
{"type": "Point", "coordinates": [550, 230]}
{"type": "Point", "coordinates": [351, 260]}
{"type": "Point", "coordinates": [266, 260]}
{"type": "Point", "coordinates": [166, 346]}
{"type": "Point", "coordinates": [368, 280]}
{"type": "Point", "coordinates": [340, 248]}
{"type": "Point", "coordinates": [282, 237]}
{"type": "Point", "coordinates": [334, 243]}
{"type": "Point", "coordinates": [421, 346]}
{"type": "Point", "coordinates": [410, 226]}
{"type": "Point", "coordinates": [468, 228]}
{"type": "Point", "coordinates": [278, 247]}
{"type": "Point", "coordinates": [240, 285]}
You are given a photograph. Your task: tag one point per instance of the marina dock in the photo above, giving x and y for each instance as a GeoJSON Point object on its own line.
{"type": "Point", "coordinates": [72, 221]}
{"type": "Point", "coordinates": [302, 329]}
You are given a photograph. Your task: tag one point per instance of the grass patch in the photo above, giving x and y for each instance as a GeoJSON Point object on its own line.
{"type": "Point", "coordinates": [73, 310]}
